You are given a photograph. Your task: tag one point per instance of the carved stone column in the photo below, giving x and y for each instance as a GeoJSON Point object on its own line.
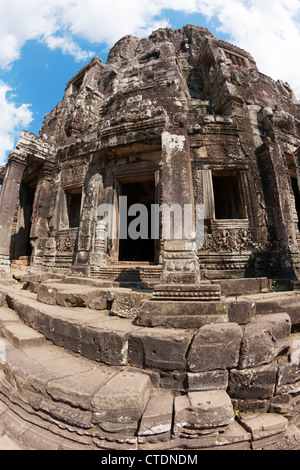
{"type": "Point", "coordinates": [180, 261]}
{"type": "Point", "coordinates": [180, 300]}
{"type": "Point", "coordinates": [87, 226]}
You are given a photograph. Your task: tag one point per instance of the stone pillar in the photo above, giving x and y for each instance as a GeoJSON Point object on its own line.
{"type": "Point", "coordinates": [180, 300]}
{"type": "Point", "coordinates": [87, 226]}
{"type": "Point", "coordinates": [180, 261]}
{"type": "Point", "coordinates": [8, 203]}
{"type": "Point", "coordinates": [278, 191]}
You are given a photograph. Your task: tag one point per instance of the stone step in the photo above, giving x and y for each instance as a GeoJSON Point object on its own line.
{"type": "Point", "coordinates": [66, 390]}
{"type": "Point", "coordinates": [63, 399]}
{"type": "Point", "coordinates": [51, 400]}
{"type": "Point", "coordinates": [169, 354]}
{"type": "Point", "coordinates": [21, 335]}
{"type": "Point", "coordinates": [277, 302]}
{"type": "Point", "coordinates": [21, 261]}
{"type": "Point", "coordinates": [102, 338]}
{"type": "Point", "coordinates": [244, 286]}
{"type": "Point", "coordinates": [229, 287]}
{"type": "Point", "coordinates": [119, 301]}
{"type": "Point", "coordinates": [54, 399]}
{"type": "Point", "coordinates": [117, 277]}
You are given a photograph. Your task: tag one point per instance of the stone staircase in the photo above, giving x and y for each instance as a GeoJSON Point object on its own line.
{"type": "Point", "coordinates": [77, 372]}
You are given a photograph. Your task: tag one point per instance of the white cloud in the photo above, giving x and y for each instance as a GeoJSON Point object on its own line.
{"type": "Point", "coordinates": [268, 29]}
{"type": "Point", "coordinates": [13, 119]}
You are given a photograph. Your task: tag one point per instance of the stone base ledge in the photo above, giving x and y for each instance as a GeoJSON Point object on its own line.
{"type": "Point", "coordinates": [190, 292]}
{"type": "Point", "coordinates": [181, 313]}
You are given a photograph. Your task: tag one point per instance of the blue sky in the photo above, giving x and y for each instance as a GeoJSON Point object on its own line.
{"type": "Point", "coordinates": [43, 43]}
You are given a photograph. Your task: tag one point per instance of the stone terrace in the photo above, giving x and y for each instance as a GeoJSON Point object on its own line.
{"type": "Point", "coordinates": [78, 375]}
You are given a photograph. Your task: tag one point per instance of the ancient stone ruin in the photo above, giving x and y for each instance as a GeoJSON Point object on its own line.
{"type": "Point", "coordinates": [186, 341]}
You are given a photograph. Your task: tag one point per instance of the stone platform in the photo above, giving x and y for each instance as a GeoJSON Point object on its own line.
{"type": "Point", "coordinates": [79, 375]}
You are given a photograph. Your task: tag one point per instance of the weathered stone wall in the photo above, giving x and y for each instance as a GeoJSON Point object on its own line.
{"type": "Point", "coordinates": [114, 115]}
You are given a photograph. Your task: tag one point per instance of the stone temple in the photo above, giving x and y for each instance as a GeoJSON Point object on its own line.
{"type": "Point", "coordinates": [154, 342]}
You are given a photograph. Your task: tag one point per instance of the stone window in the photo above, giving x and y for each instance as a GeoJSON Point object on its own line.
{"type": "Point", "coordinates": [76, 85]}
{"type": "Point", "coordinates": [236, 59]}
{"type": "Point", "coordinates": [73, 202]}
{"type": "Point", "coordinates": [228, 196]}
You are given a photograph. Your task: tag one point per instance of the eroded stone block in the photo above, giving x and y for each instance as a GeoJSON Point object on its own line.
{"type": "Point", "coordinates": [158, 415]}
{"type": "Point", "coordinates": [256, 383]}
{"type": "Point", "coordinates": [159, 348]}
{"type": "Point", "coordinates": [264, 339]}
{"type": "Point", "coordinates": [123, 399]}
{"type": "Point", "coordinates": [203, 410]}
{"type": "Point", "coordinates": [215, 347]}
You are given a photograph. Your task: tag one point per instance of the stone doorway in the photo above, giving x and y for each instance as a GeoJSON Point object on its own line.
{"type": "Point", "coordinates": [294, 184]}
{"type": "Point", "coordinates": [138, 190]}
{"type": "Point", "coordinates": [20, 242]}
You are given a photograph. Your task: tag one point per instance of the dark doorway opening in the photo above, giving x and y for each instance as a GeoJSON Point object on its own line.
{"type": "Point", "coordinates": [297, 198]}
{"type": "Point", "coordinates": [294, 183]}
{"type": "Point", "coordinates": [141, 191]}
{"type": "Point", "coordinates": [74, 206]}
{"type": "Point", "coordinates": [229, 202]}
{"type": "Point", "coordinates": [20, 244]}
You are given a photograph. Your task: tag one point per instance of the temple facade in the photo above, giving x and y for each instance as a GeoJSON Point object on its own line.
{"type": "Point", "coordinates": [149, 257]}
{"type": "Point", "coordinates": [178, 118]}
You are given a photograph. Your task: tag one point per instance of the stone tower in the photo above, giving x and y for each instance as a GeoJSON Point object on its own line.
{"type": "Point", "coordinates": [177, 118]}
{"type": "Point", "coordinates": [178, 331]}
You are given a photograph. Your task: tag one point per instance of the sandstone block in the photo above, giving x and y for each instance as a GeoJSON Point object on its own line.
{"type": "Point", "coordinates": [158, 415]}
{"type": "Point", "coordinates": [231, 437]}
{"type": "Point", "coordinates": [256, 383]}
{"type": "Point", "coordinates": [235, 287]}
{"type": "Point", "coordinates": [209, 380]}
{"type": "Point", "coordinates": [66, 334]}
{"type": "Point", "coordinates": [79, 389]}
{"type": "Point", "coordinates": [262, 425]}
{"type": "Point", "coordinates": [7, 443]}
{"type": "Point", "coordinates": [158, 348]}
{"type": "Point", "coordinates": [295, 349]}
{"type": "Point", "coordinates": [182, 314]}
{"type": "Point", "coordinates": [106, 340]}
{"type": "Point", "coordinates": [282, 404]}
{"type": "Point", "coordinates": [215, 347]}
{"type": "Point", "coordinates": [99, 300]}
{"type": "Point", "coordinates": [123, 399]}
{"type": "Point", "coordinates": [127, 304]}
{"type": "Point", "coordinates": [284, 303]}
{"type": "Point", "coordinates": [203, 410]}
{"type": "Point", "coordinates": [264, 338]}
{"type": "Point", "coordinates": [8, 315]}
{"type": "Point", "coordinates": [288, 373]}
{"type": "Point", "coordinates": [71, 295]}
{"type": "Point", "coordinates": [22, 336]}
{"type": "Point", "coordinates": [47, 294]}
{"type": "Point", "coordinates": [241, 312]}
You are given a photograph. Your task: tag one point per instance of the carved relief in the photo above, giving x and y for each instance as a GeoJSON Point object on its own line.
{"type": "Point", "coordinates": [66, 243]}
{"type": "Point", "coordinates": [73, 175]}
{"type": "Point", "coordinates": [231, 241]}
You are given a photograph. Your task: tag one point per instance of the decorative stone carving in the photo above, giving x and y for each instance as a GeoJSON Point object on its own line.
{"type": "Point", "coordinates": [66, 243]}
{"type": "Point", "coordinates": [230, 240]}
